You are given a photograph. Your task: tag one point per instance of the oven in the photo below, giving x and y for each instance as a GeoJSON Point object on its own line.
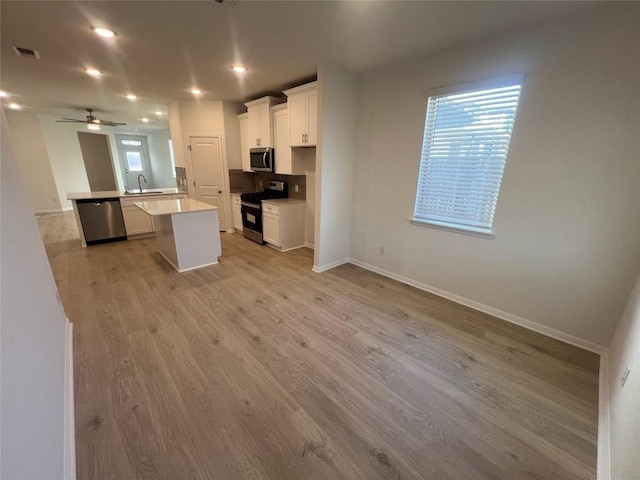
{"type": "Point", "coordinates": [252, 220]}
{"type": "Point", "coordinates": [251, 208]}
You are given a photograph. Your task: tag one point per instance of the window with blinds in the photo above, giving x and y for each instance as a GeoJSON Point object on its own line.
{"type": "Point", "coordinates": [466, 140]}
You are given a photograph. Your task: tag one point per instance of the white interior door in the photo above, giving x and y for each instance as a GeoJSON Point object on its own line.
{"type": "Point", "coordinates": [208, 175]}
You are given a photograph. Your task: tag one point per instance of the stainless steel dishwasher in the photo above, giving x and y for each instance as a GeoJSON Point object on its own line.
{"type": "Point", "coordinates": [101, 220]}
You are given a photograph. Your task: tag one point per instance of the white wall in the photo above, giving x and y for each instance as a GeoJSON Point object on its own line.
{"type": "Point", "coordinates": [335, 158]}
{"type": "Point", "coordinates": [310, 210]}
{"type": "Point", "coordinates": [32, 337]}
{"type": "Point", "coordinates": [65, 156]}
{"type": "Point", "coordinates": [567, 231]}
{"type": "Point", "coordinates": [624, 402]}
{"type": "Point", "coordinates": [27, 138]}
{"type": "Point", "coordinates": [205, 117]}
{"type": "Point", "coordinates": [230, 113]}
{"type": "Point", "coordinates": [160, 159]}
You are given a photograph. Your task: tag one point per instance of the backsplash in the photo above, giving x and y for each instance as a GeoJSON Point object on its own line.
{"type": "Point", "coordinates": [292, 180]}
{"type": "Point", "coordinates": [241, 182]}
{"type": "Point", "coordinates": [181, 179]}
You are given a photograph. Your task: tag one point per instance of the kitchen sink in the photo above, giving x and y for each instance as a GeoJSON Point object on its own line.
{"type": "Point", "coordinates": [147, 192]}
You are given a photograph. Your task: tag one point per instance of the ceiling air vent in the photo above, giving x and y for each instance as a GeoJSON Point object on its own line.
{"type": "Point", "coordinates": [26, 52]}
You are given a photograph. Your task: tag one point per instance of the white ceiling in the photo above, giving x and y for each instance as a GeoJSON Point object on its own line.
{"type": "Point", "coordinates": [163, 48]}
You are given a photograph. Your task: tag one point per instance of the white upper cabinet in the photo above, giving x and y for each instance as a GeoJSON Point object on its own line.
{"type": "Point", "coordinates": [259, 112]}
{"type": "Point", "coordinates": [244, 141]}
{"type": "Point", "coordinates": [302, 104]}
{"type": "Point", "coordinates": [288, 162]}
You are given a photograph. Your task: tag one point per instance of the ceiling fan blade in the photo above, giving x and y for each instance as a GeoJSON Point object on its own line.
{"type": "Point", "coordinates": [71, 120]}
{"type": "Point", "coordinates": [109, 123]}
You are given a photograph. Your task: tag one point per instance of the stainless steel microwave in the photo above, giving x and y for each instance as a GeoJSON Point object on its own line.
{"type": "Point", "coordinates": [262, 159]}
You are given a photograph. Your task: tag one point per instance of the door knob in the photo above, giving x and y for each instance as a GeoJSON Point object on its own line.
{"type": "Point", "coordinates": [219, 191]}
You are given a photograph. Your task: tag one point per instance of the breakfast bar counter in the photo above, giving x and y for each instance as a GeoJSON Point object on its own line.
{"type": "Point", "coordinates": [187, 231]}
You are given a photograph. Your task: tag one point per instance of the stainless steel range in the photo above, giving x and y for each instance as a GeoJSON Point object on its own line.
{"type": "Point", "coordinates": [251, 208]}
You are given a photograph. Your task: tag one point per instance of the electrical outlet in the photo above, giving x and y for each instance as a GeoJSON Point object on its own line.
{"type": "Point", "coordinates": [296, 188]}
{"type": "Point", "coordinates": [625, 375]}
{"type": "Point", "coordinates": [381, 250]}
{"type": "Point", "coordinates": [260, 183]}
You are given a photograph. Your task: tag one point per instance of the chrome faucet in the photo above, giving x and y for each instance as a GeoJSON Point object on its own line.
{"type": "Point", "coordinates": [140, 184]}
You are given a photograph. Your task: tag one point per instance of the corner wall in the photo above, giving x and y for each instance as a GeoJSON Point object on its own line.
{"type": "Point", "coordinates": [567, 231]}
{"type": "Point", "coordinates": [31, 151]}
{"type": "Point", "coordinates": [32, 338]}
{"type": "Point", "coordinates": [624, 402]}
{"type": "Point", "coordinates": [335, 158]}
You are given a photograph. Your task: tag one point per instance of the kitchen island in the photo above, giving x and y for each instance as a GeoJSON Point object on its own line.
{"type": "Point", "coordinates": [137, 224]}
{"type": "Point", "coordinates": [187, 231]}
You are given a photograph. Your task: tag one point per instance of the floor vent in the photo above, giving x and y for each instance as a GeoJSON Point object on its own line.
{"type": "Point", "coordinates": [26, 52]}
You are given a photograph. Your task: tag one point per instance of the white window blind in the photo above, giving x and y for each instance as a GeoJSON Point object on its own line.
{"type": "Point", "coordinates": [465, 145]}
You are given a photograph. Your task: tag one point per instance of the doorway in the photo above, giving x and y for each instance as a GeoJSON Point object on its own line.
{"type": "Point", "coordinates": [208, 173]}
{"type": "Point", "coordinates": [134, 160]}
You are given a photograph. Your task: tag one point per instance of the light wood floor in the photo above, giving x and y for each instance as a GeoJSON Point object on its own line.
{"type": "Point", "coordinates": [257, 368]}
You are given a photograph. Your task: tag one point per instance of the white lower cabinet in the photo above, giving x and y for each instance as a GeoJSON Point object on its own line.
{"type": "Point", "coordinates": [137, 222]}
{"type": "Point", "coordinates": [283, 223]}
{"type": "Point", "coordinates": [271, 229]}
{"type": "Point", "coordinates": [237, 212]}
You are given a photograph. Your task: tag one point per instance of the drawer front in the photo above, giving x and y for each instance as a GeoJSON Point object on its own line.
{"type": "Point", "coordinates": [128, 201]}
{"type": "Point", "coordinates": [268, 208]}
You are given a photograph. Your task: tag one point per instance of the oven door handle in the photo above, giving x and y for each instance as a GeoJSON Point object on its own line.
{"type": "Point", "coordinates": [252, 205]}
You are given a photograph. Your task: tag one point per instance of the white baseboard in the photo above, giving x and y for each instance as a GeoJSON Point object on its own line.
{"type": "Point", "coordinates": [604, 439]}
{"type": "Point", "coordinates": [329, 266]}
{"type": "Point", "coordinates": [309, 245]}
{"type": "Point", "coordinates": [69, 411]}
{"type": "Point", "coordinates": [53, 210]}
{"type": "Point", "coordinates": [509, 317]}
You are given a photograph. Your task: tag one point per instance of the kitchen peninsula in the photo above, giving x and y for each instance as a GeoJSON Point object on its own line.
{"type": "Point", "coordinates": [187, 231]}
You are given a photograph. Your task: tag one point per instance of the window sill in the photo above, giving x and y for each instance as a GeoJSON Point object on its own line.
{"type": "Point", "coordinates": [452, 228]}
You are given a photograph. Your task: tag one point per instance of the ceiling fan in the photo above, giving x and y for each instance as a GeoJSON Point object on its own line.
{"type": "Point", "coordinates": [91, 120]}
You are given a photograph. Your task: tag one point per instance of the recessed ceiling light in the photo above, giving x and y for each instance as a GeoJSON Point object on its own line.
{"type": "Point", "coordinates": [196, 91]}
{"type": "Point", "coordinates": [93, 126]}
{"type": "Point", "coordinates": [93, 72]}
{"type": "Point", "coordinates": [145, 120]}
{"type": "Point", "coordinates": [131, 97]}
{"type": "Point", "coordinates": [14, 106]}
{"type": "Point", "coordinates": [3, 94]}
{"type": "Point", "coordinates": [239, 68]}
{"type": "Point", "coordinates": [104, 32]}
{"type": "Point", "coordinates": [159, 113]}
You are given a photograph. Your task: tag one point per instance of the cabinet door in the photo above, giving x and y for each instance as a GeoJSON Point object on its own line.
{"type": "Point", "coordinates": [270, 231]}
{"type": "Point", "coordinates": [297, 120]}
{"type": "Point", "coordinates": [136, 221]}
{"type": "Point", "coordinates": [237, 218]}
{"type": "Point", "coordinates": [312, 119]}
{"type": "Point", "coordinates": [281, 143]}
{"type": "Point", "coordinates": [245, 144]}
{"type": "Point", "coordinates": [254, 127]}
{"type": "Point", "coordinates": [266, 139]}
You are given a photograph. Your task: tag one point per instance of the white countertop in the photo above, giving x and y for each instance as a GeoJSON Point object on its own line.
{"type": "Point", "coordinates": [121, 194]}
{"type": "Point", "coordinates": [170, 207]}
{"type": "Point", "coordinates": [283, 201]}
